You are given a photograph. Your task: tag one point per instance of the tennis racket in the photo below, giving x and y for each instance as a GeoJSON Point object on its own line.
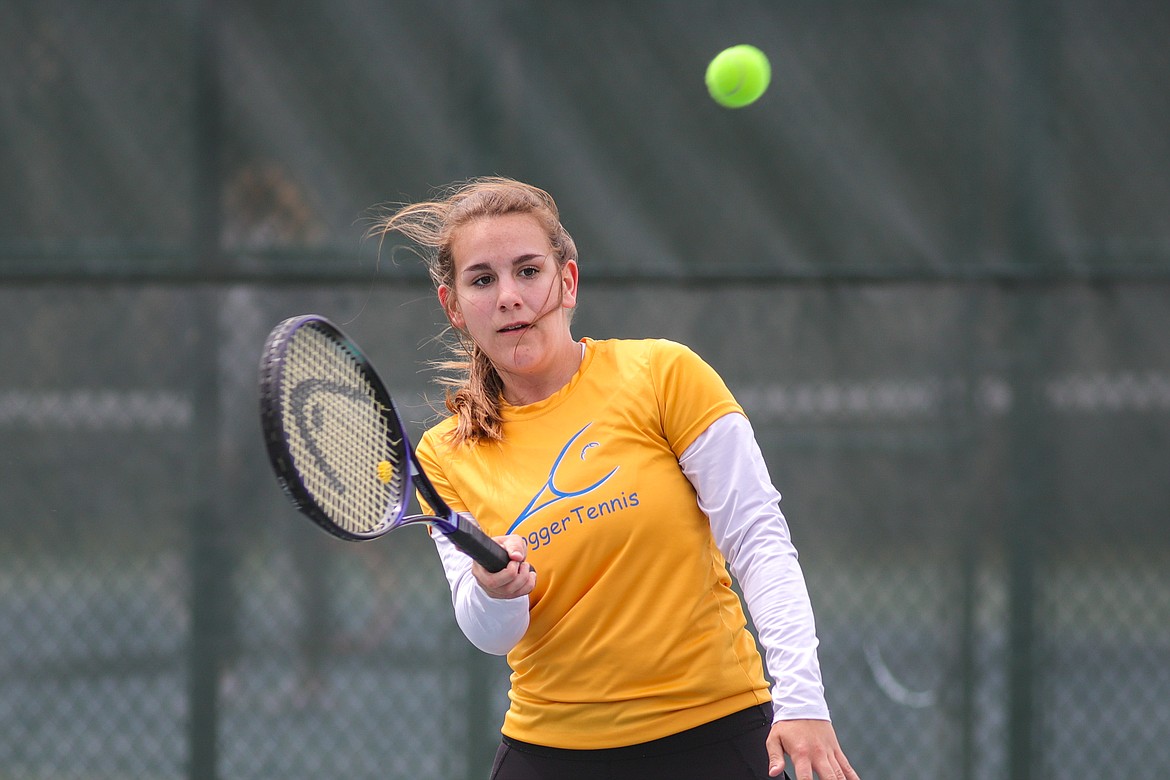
{"type": "Point", "coordinates": [338, 446]}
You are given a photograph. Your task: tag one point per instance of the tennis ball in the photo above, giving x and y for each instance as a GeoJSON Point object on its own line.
{"type": "Point", "coordinates": [738, 76]}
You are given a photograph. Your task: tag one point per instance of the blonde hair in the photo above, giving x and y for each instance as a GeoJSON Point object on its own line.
{"type": "Point", "coordinates": [474, 388]}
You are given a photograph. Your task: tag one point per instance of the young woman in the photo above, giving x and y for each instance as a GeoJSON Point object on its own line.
{"type": "Point", "coordinates": [624, 480]}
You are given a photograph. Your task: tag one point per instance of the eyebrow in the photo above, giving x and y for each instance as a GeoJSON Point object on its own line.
{"type": "Point", "coordinates": [478, 267]}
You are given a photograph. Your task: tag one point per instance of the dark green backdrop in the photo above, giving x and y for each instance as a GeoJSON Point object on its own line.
{"type": "Point", "coordinates": [933, 262]}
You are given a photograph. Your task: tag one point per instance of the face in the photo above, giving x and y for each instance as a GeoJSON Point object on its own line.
{"type": "Point", "coordinates": [511, 297]}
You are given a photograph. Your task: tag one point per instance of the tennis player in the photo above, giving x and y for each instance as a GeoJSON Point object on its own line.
{"type": "Point", "coordinates": [625, 481]}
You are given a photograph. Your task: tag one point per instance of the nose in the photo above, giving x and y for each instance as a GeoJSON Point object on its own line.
{"type": "Point", "coordinates": [507, 297]}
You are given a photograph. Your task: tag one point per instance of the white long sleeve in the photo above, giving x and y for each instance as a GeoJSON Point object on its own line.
{"type": "Point", "coordinates": [492, 625]}
{"type": "Point", "coordinates": [728, 471]}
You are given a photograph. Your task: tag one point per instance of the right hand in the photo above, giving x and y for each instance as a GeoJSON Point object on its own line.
{"type": "Point", "coordinates": [516, 579]}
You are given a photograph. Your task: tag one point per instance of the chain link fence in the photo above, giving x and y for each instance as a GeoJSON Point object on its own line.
{"type": "Point", "coordinates": [932, 264]}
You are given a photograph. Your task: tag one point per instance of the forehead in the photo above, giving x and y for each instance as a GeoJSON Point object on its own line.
{"type": "Point", "coordinates": [502, 238]}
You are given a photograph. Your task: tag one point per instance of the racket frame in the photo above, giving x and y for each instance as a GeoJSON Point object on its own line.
{"type": "Point", "coordinates": [459, 528]}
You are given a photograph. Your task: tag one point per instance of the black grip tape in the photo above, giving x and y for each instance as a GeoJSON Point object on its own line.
{"type": "Point", "coordinates": [471, 539]}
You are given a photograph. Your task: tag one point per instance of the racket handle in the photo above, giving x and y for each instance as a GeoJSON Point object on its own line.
{"type": "Point", "coordinates": [471, 539]}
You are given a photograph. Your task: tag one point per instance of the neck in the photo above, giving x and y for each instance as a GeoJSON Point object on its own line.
{"type": "Point", "coordinates": [523, 389]}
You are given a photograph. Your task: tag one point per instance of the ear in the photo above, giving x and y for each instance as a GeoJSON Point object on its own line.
{"type": "Point", "coordinates": [450, 306]}
{"type": "Point", "coordinates": [569, 273]}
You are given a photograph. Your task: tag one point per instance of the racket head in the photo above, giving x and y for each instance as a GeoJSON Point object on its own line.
{"type": "Point", "coordinates": [333, 436]}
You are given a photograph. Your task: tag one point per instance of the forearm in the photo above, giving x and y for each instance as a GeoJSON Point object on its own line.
{"type": "Point", "coordinates": [492, 625]}
{"type": "Point", "coordinates": [727, 469]}
{"type": "Point", "coordinates": [777, 599]}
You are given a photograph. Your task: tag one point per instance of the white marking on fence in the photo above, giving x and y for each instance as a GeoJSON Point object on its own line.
{"type": "Point", "coordinates": [95, 410]}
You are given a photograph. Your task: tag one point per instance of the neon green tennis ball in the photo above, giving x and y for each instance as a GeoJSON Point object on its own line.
{"type": "Point", "coordinates": [738, 76]}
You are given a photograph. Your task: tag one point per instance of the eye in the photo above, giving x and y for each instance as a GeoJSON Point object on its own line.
{"type": "Point", "coordinates": [529, 271]}
{"type": "Point", "coordinates": [481, 281]}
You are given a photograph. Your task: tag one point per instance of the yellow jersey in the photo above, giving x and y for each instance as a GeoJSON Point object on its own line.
{"type": "Point", "coordinates": [634, 630]}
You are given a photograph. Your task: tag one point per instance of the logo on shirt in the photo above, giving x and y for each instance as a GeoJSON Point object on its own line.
{"type": "Point", "coordinates": [557, 488]}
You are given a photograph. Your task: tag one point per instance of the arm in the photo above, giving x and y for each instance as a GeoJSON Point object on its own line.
{"type": "Point", "coordinates": [727, 469]}
{"type": "Point", "coordinates": [493, 623]}
{"type": "Point", "coordinates": [729, 474]}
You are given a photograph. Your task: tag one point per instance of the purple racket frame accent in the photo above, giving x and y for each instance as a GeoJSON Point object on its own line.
{"type": "Point", "coordinates": [463, 532]}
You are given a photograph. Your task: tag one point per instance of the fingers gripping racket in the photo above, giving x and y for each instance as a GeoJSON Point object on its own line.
{"type": "Point", "coordinates": [338, 446]}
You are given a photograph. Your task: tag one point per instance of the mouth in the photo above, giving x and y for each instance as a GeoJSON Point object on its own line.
{"type": "Point", "coordinates": [514, 327]}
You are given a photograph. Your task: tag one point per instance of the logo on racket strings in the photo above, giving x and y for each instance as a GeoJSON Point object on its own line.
{"type": "Point", "coordinates": [320, 407]}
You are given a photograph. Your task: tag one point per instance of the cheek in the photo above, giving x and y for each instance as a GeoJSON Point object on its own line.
{"type": "Point", "coordinates": [470, 308]}
{"type": "Point", "coordinates": [474, 306]}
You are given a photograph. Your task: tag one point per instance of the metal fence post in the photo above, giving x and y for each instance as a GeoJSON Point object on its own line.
{"type": "Point", "coordinates": [210, 570]}
{"type": "Point", "coordinates": [1030, 475]}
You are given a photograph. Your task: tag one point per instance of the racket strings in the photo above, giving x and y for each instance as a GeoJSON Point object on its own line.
{"type": "Point", "coordinates": [339, 435]}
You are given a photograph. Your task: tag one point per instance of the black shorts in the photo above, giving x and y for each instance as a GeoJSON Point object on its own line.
{"type": "Point", "coordinates": [731, 748]}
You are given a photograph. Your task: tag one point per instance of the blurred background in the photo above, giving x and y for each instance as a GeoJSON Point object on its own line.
{"type": "Point", "coordinates": [933, 263]}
